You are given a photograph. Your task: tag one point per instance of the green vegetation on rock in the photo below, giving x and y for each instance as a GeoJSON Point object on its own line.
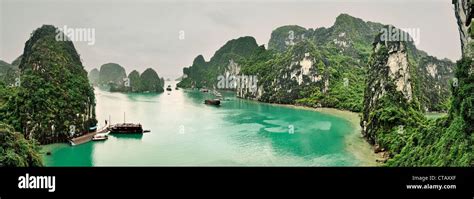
{"type": "Point", "coordinates": [393, 119]}
{"type": "Point", "coordinates": [94, 76]}
{"type": "Point", "coordinates": [113, 77]}
{"type": "Point", "coordinates": [8, 73]}
{"type": "Point", "coordinates": [111, 73]}
{"type": "Point", "coordinates": [150, 81]}
{"type": "Point", "coordinates": [54, 100]}
{"type": "Point", "coordinates": [205, 74]}
{"type": "Point", "coordinates": [324, 67]}
{"type": "Point", "coordinates": [16, 151]}
{"type": "Point", "coordinates": [446, 141]}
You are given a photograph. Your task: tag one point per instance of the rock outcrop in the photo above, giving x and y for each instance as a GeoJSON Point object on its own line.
{"type": "Point", "coordinates": [389, 84]}
{"type": "Point", "coordinates": [463, 100]}
{"type": "Point", "coordinates": [94, 76]}
{"type": "Point", "coordinates": [318, 67]}
{"type": "Point", "coordinates": [393, 121]}
{"type": "Point", "coordinates": [225, 61]}
{"type": "Point", "coordinates": [463, 11]}
{"type": "Point", "coordinates": [434, 77]}
{"type": "Point", "coordinates": [8, 73]}
{"type": "Point", "coordinates": [55, 100]}
{"type": "Point", "coordinates": [112, 73]}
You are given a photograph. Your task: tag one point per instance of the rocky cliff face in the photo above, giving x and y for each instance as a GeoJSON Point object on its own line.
{"type": "Point", "coordinates": [319, 67]}
{"type": "Point", "coordinates": [8, 73]}
{"type": "Point", "coordinates": [463, 11]}
{"type": "Point", "coordinates": [299, 69]}
{"type": "Point", "coordinates": [463, 102]}
{"type": "Point", "coordinates": [94, 76]}
{"type": "Point", "coordinates": [226, 60]}
{"type": "Point", "coordinates": [434, 83]}
{"type": "Point", "coordinates": [388, 81]}
{"type": "Point", "coordinates": [392, 119]}
{"type": "Point", "coordinates": [111, 73]}
{"type": "Point", "coordinates": [55, 100]}
{"type": "Point", "coordinates": [344, 49]}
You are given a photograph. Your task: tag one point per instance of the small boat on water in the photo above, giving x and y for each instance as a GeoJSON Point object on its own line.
{"type": "Point", "coordinates": [204, 90]}
{"type": "Point", "coordinates": [176, 88]}
{"type": "Point", "coordinates": [168, 88]}
{"type": "Point", "coordinates": [100, 137]}
{"type": "Point", "coordinates": [215, 102]}
{"type": "Point", "coordinates": [217, 94]}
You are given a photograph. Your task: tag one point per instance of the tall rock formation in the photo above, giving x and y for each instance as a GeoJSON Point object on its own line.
{"type": "Point", "coordinates": [389, 91]}
{"type": "Point", "coordinates": [93, 76]}
{"type": "Point", "coordinates": [55, 100]}
{"type": "Point", "coordinates": [463, 102]}
{"type": "Point", "coordinates": [112, 73]}
{"type": "Point", "coordinates": [323, 67]}
{"type": "Point", "coordinates": [225, 61]}
{"type": "Point", "coordinates": [392, 119]}
{"type": "Point", "coordinates": [464, 15]}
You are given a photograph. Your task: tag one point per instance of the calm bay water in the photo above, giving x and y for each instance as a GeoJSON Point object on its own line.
{"type": "Point", "coordinates": [185, 131]}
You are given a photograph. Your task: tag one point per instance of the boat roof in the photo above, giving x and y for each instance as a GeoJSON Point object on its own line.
{"type": "Point", "coordinates": [128, 125]}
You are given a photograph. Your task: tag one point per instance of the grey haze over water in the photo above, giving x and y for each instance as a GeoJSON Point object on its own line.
{"type": "Point", "coordinates": [142, 34]}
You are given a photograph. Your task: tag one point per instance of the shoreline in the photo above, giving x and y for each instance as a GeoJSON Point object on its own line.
{"type": "Point", "coordinates": [355, 142]}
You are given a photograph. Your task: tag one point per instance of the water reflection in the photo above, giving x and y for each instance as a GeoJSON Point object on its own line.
{"type": "Point", "coordinates": [127, 136]}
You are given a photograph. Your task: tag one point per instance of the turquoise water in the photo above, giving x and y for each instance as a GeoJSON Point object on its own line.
{"type": "Point", "coordinates": [186, 132]}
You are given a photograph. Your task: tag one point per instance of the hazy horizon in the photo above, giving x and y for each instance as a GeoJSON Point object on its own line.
{"type": "Point", "coordinates": [145, 34]}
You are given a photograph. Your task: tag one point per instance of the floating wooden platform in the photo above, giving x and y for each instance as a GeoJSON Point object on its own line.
{"type": "Point", "coordinates": [87, 137]}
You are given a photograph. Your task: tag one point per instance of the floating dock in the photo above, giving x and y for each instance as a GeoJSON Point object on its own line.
{"type": "Point", "coordinates": [87, 137]}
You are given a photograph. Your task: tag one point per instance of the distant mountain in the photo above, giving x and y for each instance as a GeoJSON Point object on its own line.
{"type": "Point", "coordinates": [151, 82]}
{"type": "Point", "coordinates": [8, 73]}
{"type": "Point", "coordinates": [205, 74]}
{"type": "Point", "coordinates": [17, 61]}
{"type": "Point", "coordinates": [112, 73]}
{"type": "Point", "coordinates": [94, 76]}
{"type": "Point", "coordinates": [135, 81]}
{"type": "Point", "coordinates": [352, 38]}
{"type": "Point", "coordinates": [148, 81]}
{"type": "Point", "coordinates": [4, 68]}
{"type": "Point", "coordinates": [318, 67]}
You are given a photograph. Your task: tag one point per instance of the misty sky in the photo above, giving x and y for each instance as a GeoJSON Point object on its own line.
{"type": "Point", "coordinates": [142, 34]}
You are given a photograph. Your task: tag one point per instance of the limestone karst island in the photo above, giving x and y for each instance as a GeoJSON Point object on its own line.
{"type": "Point", "coordinates": [374, 84]}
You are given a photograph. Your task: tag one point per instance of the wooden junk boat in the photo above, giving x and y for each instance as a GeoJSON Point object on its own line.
{"type": "Point", "coordinates": [215, 102]}
{"type": "Point", "coordinates": [126, 128]}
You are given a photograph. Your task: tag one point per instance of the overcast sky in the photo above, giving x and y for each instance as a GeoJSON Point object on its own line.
{"type": "Point", "coordinates": [139, 34]}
